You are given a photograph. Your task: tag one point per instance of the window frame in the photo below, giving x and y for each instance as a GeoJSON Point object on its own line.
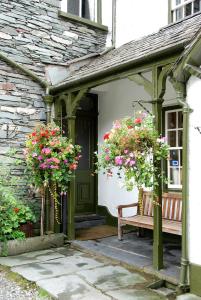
{"type": "Point", "coordinates": [97, 18]}
{"type": "Point", "coordinates": [179, 148]}
{"type": "Point", "coordinates": [173, 8]}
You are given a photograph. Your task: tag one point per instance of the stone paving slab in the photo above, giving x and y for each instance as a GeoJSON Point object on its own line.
{"type": "Point", "coordinates": [111, 277]}
{"type": "Point", "coordinates": [188, 297]}
{"type": "Point", "coordinates": [31, 257]}
{"type": "Point", "coordinates": [131, 294]}
{"type": "Point", "coordinates": [71, 287]}
{"type": "Point", "coordinates": [56, 267]}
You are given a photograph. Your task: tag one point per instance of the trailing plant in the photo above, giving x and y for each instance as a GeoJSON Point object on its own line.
{"type": "Point", "coordinates": [130, 148]}
{"type": "Point", "coordinates": [51, 161]}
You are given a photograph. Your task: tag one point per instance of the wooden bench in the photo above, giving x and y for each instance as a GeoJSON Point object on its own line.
{"type": "Point", "coordinates": [171, 214]}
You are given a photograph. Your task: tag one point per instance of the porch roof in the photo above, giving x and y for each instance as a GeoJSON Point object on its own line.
{"type": "Point", "coordinates": [169, 39]}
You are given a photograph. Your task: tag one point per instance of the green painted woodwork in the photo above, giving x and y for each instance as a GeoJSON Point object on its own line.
{"type": "Point", "coordinates": [195, 276]}
{"type": "Point", "coordinates": [72, 100]}
{"type": "Point", "coordinates": [169, 11]}
{"type": "Point", "coordinates": [180, 88]}
{"type": "Point", "coordinates": [157, 111]}
{"type": "Point", "coordinates": [193, 70]}
{"type": "Point", "coordinates": [48, 101]}
{"type": "Point", "coordinates": [141, 80]}
{"type": "Point", "coordinates": [84, 21]}
{"type": "Point", "coordinates": [24, 70]}
{"type": "Point", "coordinates": [116, 73]}
{"type": "Point", "coordinates": [99, 11]}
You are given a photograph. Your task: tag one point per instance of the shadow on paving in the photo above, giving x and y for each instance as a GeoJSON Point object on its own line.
{"type": "Point", "coordinates": [137, 252]}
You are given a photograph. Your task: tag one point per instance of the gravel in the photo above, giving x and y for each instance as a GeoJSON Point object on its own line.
{"type": "Point", "coordinates": [10, 290]}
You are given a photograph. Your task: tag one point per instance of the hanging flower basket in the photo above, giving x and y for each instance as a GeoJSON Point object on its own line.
{"type": "Point", "coordinates": [129, 148]}
{"type": "Point", "coordinates": [51, 161]}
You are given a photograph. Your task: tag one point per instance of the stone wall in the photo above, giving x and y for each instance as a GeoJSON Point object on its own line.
{"type": "Point", "coordinates": [32, 34]}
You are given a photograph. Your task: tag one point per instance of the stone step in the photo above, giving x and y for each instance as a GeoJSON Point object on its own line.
{"type": "Point", "coordinates": [87, 221]}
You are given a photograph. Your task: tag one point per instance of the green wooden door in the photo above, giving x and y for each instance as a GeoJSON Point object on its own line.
{"type": "Point", "coordinates": [86, 136]}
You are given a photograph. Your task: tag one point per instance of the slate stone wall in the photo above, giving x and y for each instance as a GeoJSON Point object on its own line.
{"type": "Point", "coordinates": [32, 34]}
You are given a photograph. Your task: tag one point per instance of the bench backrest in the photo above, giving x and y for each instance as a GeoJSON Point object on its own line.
{"type": "Point", "coordinates": [171, 206]}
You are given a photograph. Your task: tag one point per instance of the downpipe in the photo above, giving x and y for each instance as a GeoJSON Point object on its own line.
{"type": "Point", "coordinates": [184, 284]}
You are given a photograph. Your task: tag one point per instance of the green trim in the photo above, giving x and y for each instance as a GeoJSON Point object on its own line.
{"type": "Point", "coordinates": [120, 71]}
{"type": "Point", "coordinates": [193, 70]}
{"type": "Point", "coordinates": [157, 111]}
{"type": "Point", "coordinates": [141, 80]}
{"type": "Point", "coordinates": [103, 211]}
{"type": "Point", "coordinates": [180, 89]}
{"type": "Point", "coordinates": [87, 22]}
{"type": "Point", "coordinates": [23, 69]}
{"type": "Point", "coordinates": [99, 11]}
{"type": "Point", "coordinates": [169, 11]}
{"type": "Point", "coordinates": [195, 276]}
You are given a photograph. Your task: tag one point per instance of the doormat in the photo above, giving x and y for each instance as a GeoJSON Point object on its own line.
{"type": "Point", "coordinates": [96, 232]}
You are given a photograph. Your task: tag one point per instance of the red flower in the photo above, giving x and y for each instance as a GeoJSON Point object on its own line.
{"type": "Point", "coordinates": [106, 136]}
{"type": "Point", "coordinates": [16, 210]}
{"type": "Point", "coordinates": [33, 134]}
{"type": "Point", "coordinates": [138, 121]}
{"type": "Point", "coordinates": [73, 167]}
{"type": "Point", "coordinates": [53, 132]}
{"type": "Point", "coordinates": [130, 127]}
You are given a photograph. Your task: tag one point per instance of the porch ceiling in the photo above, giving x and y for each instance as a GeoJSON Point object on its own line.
{"type": "Point", "coordinates": [166, 41]}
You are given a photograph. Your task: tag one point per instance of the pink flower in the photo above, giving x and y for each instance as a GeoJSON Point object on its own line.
{"type": "Point", "coordinates": [34, 154]}
{"type": "Point", "coordinates": [43, 166]}
{"type": "Point", "coordinates": [40, 157]}
{"type": "Point", "coordinates": [46, 151]}
{"type": "Point", "coordinates": [117, 124]}
{"type": "Point", "coordinates": [49, 160]}
{"type": "Point", "coordinates": [56, 160]}
{"type": "Point", "coordinates": [126, 151]}
{"type": "Point", "coordinates": [132, 163]}
{"type": "Point", "coordinates": [54, 167]}
{"type": "Point", "coordinates": [107, 158]}
{"type": "Point", "coordinates": [118, 160]}
{"type": "Point", "coordinates": [65, 161]}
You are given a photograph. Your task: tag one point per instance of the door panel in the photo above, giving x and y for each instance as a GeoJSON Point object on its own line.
{"type": "Point", "coordinates": [86, 137]}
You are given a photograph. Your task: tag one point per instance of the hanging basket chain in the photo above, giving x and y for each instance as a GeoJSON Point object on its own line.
{"type": "Point", "coordinates": [53, 193]}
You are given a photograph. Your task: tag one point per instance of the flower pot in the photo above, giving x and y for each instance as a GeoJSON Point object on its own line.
{"type": "Point", "coordinates": [27, 228]}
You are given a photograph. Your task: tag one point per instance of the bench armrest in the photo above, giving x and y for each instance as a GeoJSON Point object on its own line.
{"type": "Point", "coordinates": [127, 205]}
{"type": "Point", "coordinates": [120, 207]}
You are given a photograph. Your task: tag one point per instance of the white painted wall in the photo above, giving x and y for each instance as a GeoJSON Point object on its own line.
{"type": "Point", "coordinates": [135, 18]}
{"type": "Point", "coordinates": [193, 98]}
{"type": "Point", "coordinates": [115, 101]}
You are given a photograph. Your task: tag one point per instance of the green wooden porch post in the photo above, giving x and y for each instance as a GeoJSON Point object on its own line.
{"type": "Point", "coordinates": [72, 100]}
{"type": "Point", "coordinates": [49, 207]}
{"type": "Point", "coordinates": [157, 111]}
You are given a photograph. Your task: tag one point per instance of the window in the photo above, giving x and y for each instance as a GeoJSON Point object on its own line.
{"type": "Point", "coordinates": [83, 8]}
{"type": "Point", "coordinates": [184, 8]}
{"type": "Point", "coordinates": [173, 132]}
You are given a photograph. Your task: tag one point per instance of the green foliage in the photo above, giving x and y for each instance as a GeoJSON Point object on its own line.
{"type": "Point", "coordinates": [13, 212]}
{"type": "Point", "coordinates": [132, 148]}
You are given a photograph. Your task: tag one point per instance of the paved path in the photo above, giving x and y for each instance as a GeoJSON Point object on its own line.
{"type": "Point", "coordinates": [69, 274]}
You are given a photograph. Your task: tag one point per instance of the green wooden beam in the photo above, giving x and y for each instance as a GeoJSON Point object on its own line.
{"type": "Point", "coordinates": [141, 80]}
{"type": "Point", "coordinates": [116, 73]}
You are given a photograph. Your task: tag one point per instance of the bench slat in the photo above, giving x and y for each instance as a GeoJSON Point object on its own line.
{"type": "Point", "coordinates": [171, 214]}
